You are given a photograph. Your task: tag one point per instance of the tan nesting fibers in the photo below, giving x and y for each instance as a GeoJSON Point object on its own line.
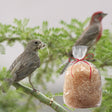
{"type": "Point", "coordinates": [79, 90]}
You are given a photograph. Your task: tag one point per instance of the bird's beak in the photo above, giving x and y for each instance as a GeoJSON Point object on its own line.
{"type": "Point", "coordinates": [104, 14]}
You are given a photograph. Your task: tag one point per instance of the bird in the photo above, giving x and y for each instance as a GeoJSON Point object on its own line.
{"type": "Point", "coordinates": [91, 35]}
{"type": "Point", "coordinates": [26, 63]}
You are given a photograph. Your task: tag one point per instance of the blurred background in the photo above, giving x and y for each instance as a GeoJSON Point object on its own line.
{"type": "Point", "coordinates": [52, 11]}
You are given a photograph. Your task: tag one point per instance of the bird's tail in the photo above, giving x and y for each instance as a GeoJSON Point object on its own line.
{"type": "Point", "coordinates": [7, 82]}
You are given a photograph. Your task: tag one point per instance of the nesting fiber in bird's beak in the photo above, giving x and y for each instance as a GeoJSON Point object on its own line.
{"type": "Point", "coordinates": [41, 45]}
{"type": "Point", "coordinates": [104, 14]}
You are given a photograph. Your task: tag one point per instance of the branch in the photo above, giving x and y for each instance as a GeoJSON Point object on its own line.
{"type": "Point", "coordinates": [106, 63]}
{"type": "Point", "coordinates": [2, 39]}
{"type": "Point", "coordinates": [41, 97]}
{"type": "Point", "coordinates": [9, 39]}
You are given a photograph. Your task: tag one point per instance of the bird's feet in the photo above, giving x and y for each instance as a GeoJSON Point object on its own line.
{"type": "Point", "coordinates": [35, 90]}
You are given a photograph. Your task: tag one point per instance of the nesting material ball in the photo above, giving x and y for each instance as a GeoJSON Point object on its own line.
{"type": "Point", "coordinates": [79, 90]}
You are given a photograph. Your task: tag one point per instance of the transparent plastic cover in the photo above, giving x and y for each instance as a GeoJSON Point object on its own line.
{"type": "Point", "coordinates": [79, 51]}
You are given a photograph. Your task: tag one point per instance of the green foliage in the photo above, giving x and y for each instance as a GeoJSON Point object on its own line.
{"type": "Point", "coordinates": [4, 73]}
{"type": "Point", "coordinates": [104, 50]}
{"type": "Point", "coordinates": [2, 49]}
{"type": "Point", "coordinates": [72, 109]}
{"type": "Point", "coordinates": [107, 97]}
{"type": "Point", "coordinates": [59, 41]}
{"type": "Point", "coordinates": [50, 95]}
{"type": "Point", "coordinates": [12, 101]}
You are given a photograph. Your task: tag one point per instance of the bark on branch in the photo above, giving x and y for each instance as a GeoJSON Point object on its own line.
{"type": "Point", "coordinates": [41, 97]}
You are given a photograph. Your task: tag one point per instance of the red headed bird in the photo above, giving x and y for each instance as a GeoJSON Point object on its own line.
{"type": "Point", "coordinates": [92, 33]}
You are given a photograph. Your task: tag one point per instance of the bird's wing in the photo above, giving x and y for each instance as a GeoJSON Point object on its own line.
{"type": "Point", "coordinates": [24, 66]}
{"type": "Point", "coordinates": [16, 64]}
{"type": "Point", "coordinates": [27, 67]}
{"type": "Point", "coordinates": [24, 62]}
{"type": "Point", "coordinates": [89, 36]}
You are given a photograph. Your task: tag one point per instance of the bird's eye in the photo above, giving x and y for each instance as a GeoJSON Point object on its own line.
{"type": "Point", "coordinates": [36, 42]}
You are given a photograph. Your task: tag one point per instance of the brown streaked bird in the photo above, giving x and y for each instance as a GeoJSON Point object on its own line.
{"type": "Point", "coordinates": [92, 33]}
{"type": "Point", "coordinates": [26, 63]}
